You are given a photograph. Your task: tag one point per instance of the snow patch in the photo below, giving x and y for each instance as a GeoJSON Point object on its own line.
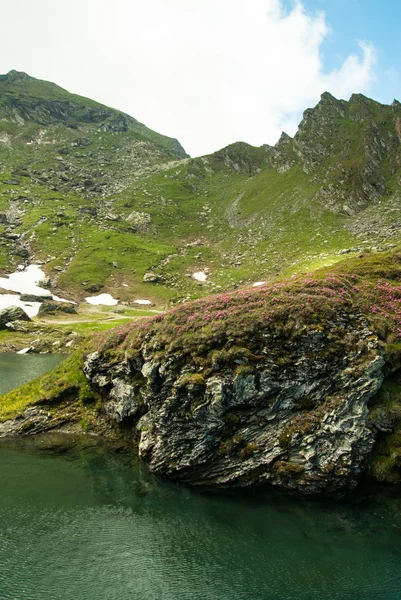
{"type": "Point", "coordinates": [25, 281]}
{"type": "Point", "coordinates": [105, 299]}
{"type": "Point", "coordinates": [31, 308]}
{"type": "Point", "coordinates": [142, 302]}
{"type": "Point", "coordinates": [258, 283]}
{"type": "Point", "coordinates": [199, 276]}
{"type": "Point", "coordinates": [63, 300]}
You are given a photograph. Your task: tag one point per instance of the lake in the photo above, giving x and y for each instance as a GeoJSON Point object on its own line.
{"type": "Point", "coordinates": [17, 369]}
{"type": "Point", "coordinates": [81, 521]}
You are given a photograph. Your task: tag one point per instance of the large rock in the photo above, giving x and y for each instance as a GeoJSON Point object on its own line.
{"type": "Point", "coordinates": [139, 221]}
{"type": "Point", "coordinates": [52, 307]}
{"type": "Point", "coordinates": [296, 418]}
{"type": "Point", "coordinates": [13, 313]}
{"type": "Point", "coordinates": [151, 277]}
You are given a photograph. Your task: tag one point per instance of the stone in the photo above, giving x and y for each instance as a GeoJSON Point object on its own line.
{"type": "Point", "coordinates": [35, 298]}
{"type": "Point", "coordinates": [92, 289]}
{"type": "Point", "coordinates": [52, 307]}
{"type": "Point", "coordinates": [139, 221]}
{"type": "Point", "coordinates": [13, 313]}
{"type": "Point", "coordinates": [151, 277]}
{"type": "Point", "coordinates": [20, 326]}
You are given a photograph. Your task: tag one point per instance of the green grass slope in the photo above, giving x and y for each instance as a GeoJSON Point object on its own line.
{"type": "Point", "coordinates": [102, 200]}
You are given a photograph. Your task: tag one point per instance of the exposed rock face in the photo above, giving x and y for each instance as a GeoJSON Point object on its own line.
{"type": "Point", "coordinates": [123, 401]}
{"type": "Point", "coordinates": [296, 418]}
{"type": "Point", "coordinates": [13, 313]}
{"type": "Point", "coordinates": [349, 162]}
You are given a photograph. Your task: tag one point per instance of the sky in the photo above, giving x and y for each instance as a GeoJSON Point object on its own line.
{"type": "Point", "coordinates": [208, 72]}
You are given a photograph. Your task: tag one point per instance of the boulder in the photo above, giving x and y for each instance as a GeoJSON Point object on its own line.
{"type": "Point", "coordinates": [151, 277]}
{"type": "Point", "coordinates": [92, 289]}
{"type": "Point", "coordinates": [51, 308]}
{"type": "Point", "coordinates": [12, 313]}
{"type": "Point", "coordinates": [35, 298]}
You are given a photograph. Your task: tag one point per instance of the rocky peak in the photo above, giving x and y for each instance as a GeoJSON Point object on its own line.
{"type": "Point", "coordinates": [284, 139]}
{"type": "Point", "coordinates": [16, 77]}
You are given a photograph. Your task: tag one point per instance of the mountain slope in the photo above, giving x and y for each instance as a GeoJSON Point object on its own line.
{"type": "Point", "coordinates": [103, 201]}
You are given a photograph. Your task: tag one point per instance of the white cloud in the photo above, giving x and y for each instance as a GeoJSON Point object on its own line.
{"type": "Point", "coordinates": [209, 73]}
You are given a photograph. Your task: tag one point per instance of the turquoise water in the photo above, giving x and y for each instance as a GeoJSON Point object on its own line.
{"type": "Point", "coordinates": [80, 521]}
{"type": "Point", "coordinates": [89, 523]}
{"type": "Point", "coordinates": [17, 369]}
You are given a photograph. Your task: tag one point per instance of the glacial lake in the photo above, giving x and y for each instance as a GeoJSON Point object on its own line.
{"type": "Point", "coordinates": [17, 369]}
{"type": "Point", "coordinates": [81, 521]}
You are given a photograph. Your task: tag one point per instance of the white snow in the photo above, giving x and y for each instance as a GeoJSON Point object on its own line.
{"type": "Point", "coordinates": [258, 283]}
{"type": "Point", "coordinates": [199, 276]}
{"type": "Point", "coordinates": [63, 300]}
{"type": "Point", "coordinates": [23, 351]}
{"type": "Point", "coordinates": [31, 308]}
{"type": "Point", "coordinates": [105, 299]}
{"type": "Point", "coordinates": [25, 282]}
{"type": "Point", "coordinates": [142, 302]}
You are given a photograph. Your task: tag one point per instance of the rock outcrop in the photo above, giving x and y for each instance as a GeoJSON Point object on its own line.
{"type": "Point", "coordinates": [293, 413]}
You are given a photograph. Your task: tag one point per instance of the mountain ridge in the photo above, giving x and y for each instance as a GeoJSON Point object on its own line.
{"type": "Point", "coordinates": [84, 188]}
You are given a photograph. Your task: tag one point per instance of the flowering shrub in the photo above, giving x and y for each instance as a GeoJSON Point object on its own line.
{"type": "Point", "coordinates": [369, 285]}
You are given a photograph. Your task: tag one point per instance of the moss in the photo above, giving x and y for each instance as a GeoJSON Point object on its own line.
{"type": "Point", "coordinates": [191, 379]}
{"type": "Point", "coordinates": [244, 370]}
{"type": "Point", "coordinates": [303, 425]}
{"type": "Point", "coordinates": [285, 468]}
{"type": "Point", "coordinates": [249, 450]}
{"type": "Point", "coordinates": [231, 444]}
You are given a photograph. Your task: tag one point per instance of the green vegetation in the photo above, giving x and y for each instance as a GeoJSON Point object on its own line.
{"type": "Point", "coordinates": [89, 188]}
{"type": "Point", "coordinates": [65, 383]}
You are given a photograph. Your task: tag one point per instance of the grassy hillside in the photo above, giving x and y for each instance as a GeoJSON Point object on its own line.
{"type": "Point", "coordinates": [102, 200]}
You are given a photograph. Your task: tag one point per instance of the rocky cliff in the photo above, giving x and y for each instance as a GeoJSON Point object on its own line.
{"type": "Point", "coordinates": [293, 414]}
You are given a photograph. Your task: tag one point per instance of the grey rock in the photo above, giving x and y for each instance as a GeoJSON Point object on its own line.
{"type": "Point", "coordinates": [52, 307]}
{"type": "Point", "coordinates": [35, 298]}
{"type": "Point", "coordinates": [13, 313]}
{"type": "Point", "coordinates": [20, 326]}
{"type": "Point", "coordinates": [151, 277]}
{"type": "Point", "coordinates": [302, 424]}
{"type": "Point", "coordinates": [114, 383]}
{"type": "Point", "coordinates": [93, 288]}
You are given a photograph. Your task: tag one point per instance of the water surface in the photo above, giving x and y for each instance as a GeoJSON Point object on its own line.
{"type": "Point", "coordinates": [87, 523]}
{"type": "Point", "coordinates": [17, 369]}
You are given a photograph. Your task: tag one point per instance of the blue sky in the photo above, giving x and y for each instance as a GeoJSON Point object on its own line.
{"type": "Point", "coordinates": [374, 21]}
{"type": "Point", "coordinates": [209, 72]}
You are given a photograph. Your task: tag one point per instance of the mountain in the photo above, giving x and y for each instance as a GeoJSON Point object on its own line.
{"type": "Point", "coordinates": [106, 203]}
